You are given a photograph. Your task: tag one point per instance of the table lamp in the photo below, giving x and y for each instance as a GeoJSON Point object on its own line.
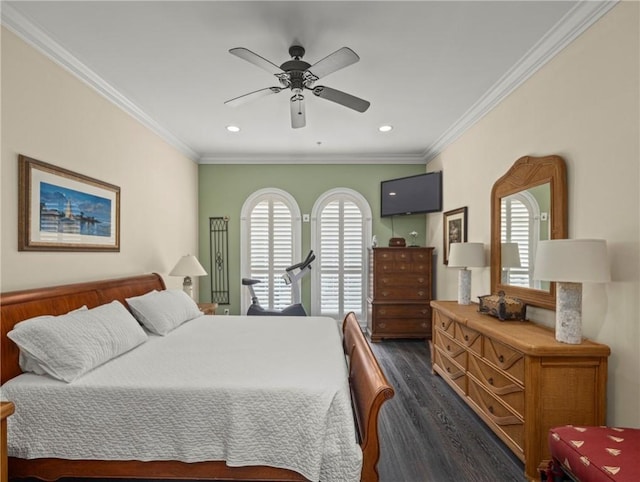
{"type": "Point", "coordinates": [465, 255]}
{"type": "Point", "coordinates": [509, 258]}
{"type": "Point", "coordinates": [571, 262]}
{"type": "Point", "coordinates": [188, 266]}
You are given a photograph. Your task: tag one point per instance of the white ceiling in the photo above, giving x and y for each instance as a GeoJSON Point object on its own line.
{"type": "Point", "coordinates": [430, 69]}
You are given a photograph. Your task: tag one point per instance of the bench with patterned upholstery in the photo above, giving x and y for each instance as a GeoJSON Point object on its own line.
{"type": "Point", "coordinates": [594, 454]}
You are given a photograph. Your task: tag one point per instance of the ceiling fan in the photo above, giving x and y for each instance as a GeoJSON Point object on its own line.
{"type": "Point", "coordinates": [298, 75]}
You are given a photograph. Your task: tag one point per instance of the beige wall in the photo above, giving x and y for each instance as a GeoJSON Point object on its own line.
{"type": "Point", "coordinates": [50, 115]}
{"type": "Point", "coordinates": [583, 105]}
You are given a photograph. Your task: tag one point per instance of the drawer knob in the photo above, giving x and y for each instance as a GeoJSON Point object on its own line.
{"type": "Point", "coordinates": [424, 312]}
{"type": "Point", "coordinates": [383, 312]}
{"type": "Point", "coordinates": [466, 337]}
{"type": "Point", "coordinates": [448, 347]}
{"type": "Point", "coordinates": [382, 325]}
{"type": "Point", "coordinates": [490, 380]}
{"type": "Point", "coordinates": [420, 280]}
{"type": "Point", "coordinates": [385, 293]}
{"type": "Point", "coordinates": [501, 358]}
{"type": "Point", "coordinates": [491, 409]}
{"type": "Point", "coordinates": [421, 293]}
{"type": "Point", "coordinates": [449, 369]}
{"type": "Point", "coordinates": [442, 323]}
{"type": "Point", "coordinates": [424, 325]}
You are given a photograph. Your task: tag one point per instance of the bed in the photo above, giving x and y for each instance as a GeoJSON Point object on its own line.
{"type": "Point", "coordinates": [366, 389]}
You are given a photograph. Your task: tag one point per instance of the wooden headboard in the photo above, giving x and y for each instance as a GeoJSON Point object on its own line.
{"type": "Point", "coordinates": [17, 306]}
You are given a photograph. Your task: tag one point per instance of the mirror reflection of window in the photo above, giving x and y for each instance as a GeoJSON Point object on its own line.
{"type": "Point", "coordinates": [520, 216]}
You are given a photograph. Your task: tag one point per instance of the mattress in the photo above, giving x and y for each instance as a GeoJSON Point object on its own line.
{"type": "Point", "coordinates": [248, 390]}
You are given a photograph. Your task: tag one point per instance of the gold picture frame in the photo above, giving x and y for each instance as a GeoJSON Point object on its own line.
{"type": "Point", "coordinates": [61, 210]}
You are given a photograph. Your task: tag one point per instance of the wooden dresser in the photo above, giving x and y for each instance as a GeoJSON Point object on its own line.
{"type": "Point", "coordinates": [399, 293]}
{"type": "Point", "coordinates": [517, 377]}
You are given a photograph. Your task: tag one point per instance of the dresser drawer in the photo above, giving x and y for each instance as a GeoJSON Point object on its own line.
{"type": "Point", "coordinates": [453, 371]}
{"type": "Point", "coordinates": [504, 357]}
{"type": "Point", "coordinates": [451, 348]}
{"type": "Point", "coordinates": [420, 311]}
{"type": "Point", "coordinates": [389, 280]}
{"type": "Point", "coordinates": [401, 326]}
{"type": "Point", "coordinates": [469, 338]}
{"type": "Point", "coordinates": [398, 293]}
{"type": "Point", "coordinates": [444, 323]}
{"type": "Point", "coordinates": [510, 425]}
{"type": "Point", "coordinates": [399, 267]}
{"type": "Point", "coordinates": [495, 382]}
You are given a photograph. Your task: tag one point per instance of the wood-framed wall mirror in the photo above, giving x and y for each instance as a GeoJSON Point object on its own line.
{"type": "Point", "coordinates": [528, 204]}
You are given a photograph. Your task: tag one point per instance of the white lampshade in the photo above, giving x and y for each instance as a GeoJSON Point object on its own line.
{"type": "Point", "coordinates": [466, 255]}
{"type": "Point", "coordinates": [188, 265]}
{"type": "Point", "coordinates": [510, 255]}
{"type": "Point", "coordinates": [572, 260]}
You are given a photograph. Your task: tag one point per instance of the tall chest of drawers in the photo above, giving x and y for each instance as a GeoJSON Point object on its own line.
{"type": "Point", "coordinates": [399, 293]}
{"type": "Point", "coordinates": [518, 378]}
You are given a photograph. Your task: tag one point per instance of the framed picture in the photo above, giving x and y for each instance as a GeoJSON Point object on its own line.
{"type": "Point", "coordinates": [454, 229]}
{"type": "Point", "coordinates": [60, 210]}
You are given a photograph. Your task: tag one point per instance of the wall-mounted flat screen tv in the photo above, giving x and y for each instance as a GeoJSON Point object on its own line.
{"type": "Point", "coordinates": [411, 195]}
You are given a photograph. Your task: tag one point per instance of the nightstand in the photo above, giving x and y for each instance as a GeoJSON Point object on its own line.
{"type": "Point", "coordinates": [6, 409]}
{"type": "Point", "coordinates": [208, 308]}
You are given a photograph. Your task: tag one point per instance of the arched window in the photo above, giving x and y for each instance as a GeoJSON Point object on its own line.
{"type": "Point", "coordinates": [270, 242]}
{"type": "Point", "coordinates": [340, 230]}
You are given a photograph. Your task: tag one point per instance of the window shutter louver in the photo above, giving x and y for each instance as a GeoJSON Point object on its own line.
{"type": "Point", "coordinates": [341, 258]}
{"type": "Point", "coordinates": [271, 248]}
{"type": "Point", "coordinates": [516, 228]}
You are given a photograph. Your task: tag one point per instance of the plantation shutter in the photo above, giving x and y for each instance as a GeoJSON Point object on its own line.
{"type": "Point", "coordinates": [341, 258]}
{"type": "Point", "coordinates": [516, 228]}
{"type": "Point", "coordinates": [271, 251]}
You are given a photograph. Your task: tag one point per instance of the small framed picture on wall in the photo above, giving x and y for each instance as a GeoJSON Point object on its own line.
{"type": "Point", "coordinates": [454, 229]}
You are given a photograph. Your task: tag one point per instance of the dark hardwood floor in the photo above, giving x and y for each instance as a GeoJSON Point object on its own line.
{"type": "Point", "coordinates": [427, 434]}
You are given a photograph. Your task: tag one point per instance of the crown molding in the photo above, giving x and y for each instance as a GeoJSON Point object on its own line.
{"type": "Point", "coordinates": [38, 39]}
{"type": "Point", "coordinates": [302, 158]}
{"type": "Point", "coordinates": [568, 28]}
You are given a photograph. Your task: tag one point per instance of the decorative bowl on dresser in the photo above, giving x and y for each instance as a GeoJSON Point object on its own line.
{"type": "Point", "coordinates": [399, 293]}
{"type": "Point", "coordinates": [518, 379]}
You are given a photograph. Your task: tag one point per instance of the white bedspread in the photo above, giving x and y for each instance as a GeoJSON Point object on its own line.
{"type": "Point", "coordinates": [247, 390]}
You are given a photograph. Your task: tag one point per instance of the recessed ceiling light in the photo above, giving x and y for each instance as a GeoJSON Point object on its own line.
{"type": "Point", "coordinates": [385, 128]}
{"type": "Point", "coordinates": [233, 128]}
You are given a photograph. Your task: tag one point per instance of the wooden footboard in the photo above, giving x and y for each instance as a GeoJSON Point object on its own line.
{"type": "Point", "coordinates": [369, 390]}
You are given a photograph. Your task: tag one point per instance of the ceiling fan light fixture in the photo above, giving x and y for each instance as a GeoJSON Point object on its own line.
{"type": "Point", "coordinates": [385, 128]}
{"type": "Point", "coordinates": [298, 75]}
{"type": "Point", "coordinates": [232, 128]}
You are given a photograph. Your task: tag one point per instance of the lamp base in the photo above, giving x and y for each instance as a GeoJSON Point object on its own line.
{"type": "Point", "coordinates": [569, 312]}
{"type": "Point", "coordinates": [464, 287]}
{"type": "Point", "coordinates": [187, 286]}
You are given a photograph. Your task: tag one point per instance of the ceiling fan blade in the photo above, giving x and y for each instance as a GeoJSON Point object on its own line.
{"type": "Point", "coordinates": [256, 94]}
{"type": "Point", "coordinates": [255, 59]}
{"type": "Point", "coordinates": [342, 98]}
{"type": "Point", "coordinates": [298, 116]}
{"type": "Point", "coordinates": [335, 61]}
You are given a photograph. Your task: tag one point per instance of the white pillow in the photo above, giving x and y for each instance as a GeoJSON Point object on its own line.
{"type": "Point", "coordinates": [162, 311]}
{"type": "Point", "coordinates": [29, 364]}
{"type": "Point", "coordinates": [68, 346]}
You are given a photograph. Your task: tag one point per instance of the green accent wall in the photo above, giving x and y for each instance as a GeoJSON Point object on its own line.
{"type": "Point", "coordinates": [223, 189]}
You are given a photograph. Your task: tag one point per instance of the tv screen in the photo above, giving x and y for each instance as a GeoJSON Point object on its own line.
{"type": "Point", "coordinates": [412, 195]}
